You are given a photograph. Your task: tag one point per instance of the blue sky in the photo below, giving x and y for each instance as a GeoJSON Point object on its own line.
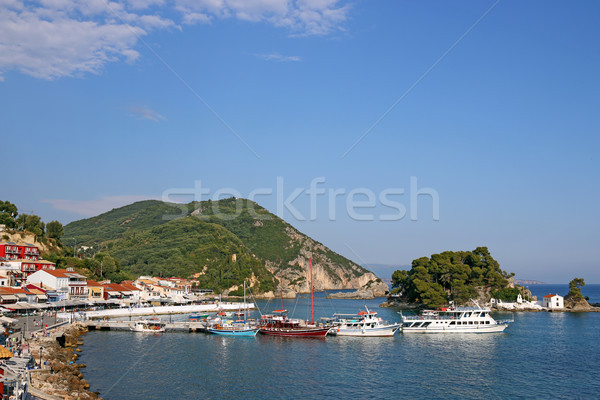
{"type": "Point", "coordinates": [494, 106]}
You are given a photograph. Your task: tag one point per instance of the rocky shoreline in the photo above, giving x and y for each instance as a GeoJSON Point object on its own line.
{"type": "Point", "coordinates": [580, 306]}
{"type": "Point", "coordinates": [61, 376]}
{"type": "Point", "coordinates": [357, 295]}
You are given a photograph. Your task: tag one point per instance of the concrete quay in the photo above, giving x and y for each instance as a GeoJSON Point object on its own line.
{"type": "Point", "coordinates": [115, 325]}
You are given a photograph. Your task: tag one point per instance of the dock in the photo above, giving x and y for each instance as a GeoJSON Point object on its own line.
{"type": "Point", "coordinates": [116, 325]}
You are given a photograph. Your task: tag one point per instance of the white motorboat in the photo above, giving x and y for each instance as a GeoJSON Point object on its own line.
{"type": "Point", "coordinates": [153, 325]}
{"type": "Point", "coordinates": [365, 323]}
{"type": "Point", "coordinates": [453, 320]}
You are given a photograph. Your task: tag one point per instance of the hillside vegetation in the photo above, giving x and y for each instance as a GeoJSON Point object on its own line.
{"type": "Point", "coordinates": [200, 238]}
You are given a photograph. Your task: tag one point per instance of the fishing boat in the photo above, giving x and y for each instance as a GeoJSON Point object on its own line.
{"type": "Point", "coordinates": [365, 323]}
{"type": "Point", "coordinates": [152, 325]}
{"type": "Point", "coordinates": [278, 323]}
{"type": "Point", "coordinates": [242, 327]}
{"type": "Point", "coordinates": [453, 320]}
{"type": "Point", "coordinates": [197, 317]}
{"type": "Point", "coordinates": [233, 328]}
{"type": "Point", "coordinates": [225, 313]}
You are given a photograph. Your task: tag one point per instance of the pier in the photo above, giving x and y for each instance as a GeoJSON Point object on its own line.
{"type": "Point", "coordinates": [117, 325]}
{"type": "Point", "coordinates": [155, 311]}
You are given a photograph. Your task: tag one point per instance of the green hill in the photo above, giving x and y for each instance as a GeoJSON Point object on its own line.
{"type": "Point", "coordinates": [157, 238]}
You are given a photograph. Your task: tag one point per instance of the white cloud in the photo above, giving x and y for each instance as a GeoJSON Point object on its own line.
{"type": "Point", "coordinates": [91, 208]}
{"type": "Point", "coordinates": [146, 113]}
{"type": "Point", "coordinates": [301, 17]}
{"type": "Point", "coordinates": [277, 57]}
{"type": "Point", "coordinates": [50, 39]}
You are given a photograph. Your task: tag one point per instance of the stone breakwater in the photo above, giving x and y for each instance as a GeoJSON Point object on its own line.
{"type": "Point", "coordinates": [61, 376]}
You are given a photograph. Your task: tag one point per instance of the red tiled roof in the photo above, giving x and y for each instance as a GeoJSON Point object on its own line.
{"type": "Point", "coordinates": [91, 282]}
{"type": "Point", "coordinates": [550, 295]}
{"type": "Point", "coordinates": [115, 287]}
{"type": "Point", "coordinates": [129, 286]}
{"type": "Point", "coordinates": [10, 290]}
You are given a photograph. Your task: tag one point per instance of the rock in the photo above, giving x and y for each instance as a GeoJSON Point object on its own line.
{"type": "Point", "coordinates": [66, 381]}
{"type": "Point", "coordinates": [578, 304]}
{"type": "Point", "coordinates": [357, 295]}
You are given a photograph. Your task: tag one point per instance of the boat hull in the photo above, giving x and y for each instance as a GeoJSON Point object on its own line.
{"type": "Point", "coordinates": [384, 331]}
{"type": "Point", "coordinates": [458, 329]}
{"type": "Point", "coordinates": [233, 332]}
{"type": "Point", "coordinates": [300, 333]}
{"type": "Point", "coordinates": [146, 330]}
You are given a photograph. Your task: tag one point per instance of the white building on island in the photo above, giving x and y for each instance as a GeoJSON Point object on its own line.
{"type": "Point", "coordinates": [553, 301]}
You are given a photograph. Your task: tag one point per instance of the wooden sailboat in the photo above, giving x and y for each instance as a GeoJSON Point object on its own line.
{"type": "Point", "coordinates": [278, 323]}
{"type": "Point", "coordinates": [234, 328]}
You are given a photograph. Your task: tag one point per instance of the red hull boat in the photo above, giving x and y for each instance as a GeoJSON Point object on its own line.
{"type": "Point", "coordinates": [278, 324]}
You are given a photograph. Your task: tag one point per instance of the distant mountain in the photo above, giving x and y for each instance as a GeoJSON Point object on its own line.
{"type": "Point", "coordinates": [527, 282]}
{"type": "Point", "coordinates": [221, 243]}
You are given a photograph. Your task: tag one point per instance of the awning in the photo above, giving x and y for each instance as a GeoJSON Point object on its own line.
{"type": "Point", "coordinates": [21, 296]}
{"type": "Point", "coordinates": [6, 320]}
{"type": "Point", "coordinates": [12, 297]}
{"type": "Point", "coordinates": [4, 353]}
{"type": "Point", "coordinates": [21, 306]}
{"type": "Point", "coordinates": [42, 297]}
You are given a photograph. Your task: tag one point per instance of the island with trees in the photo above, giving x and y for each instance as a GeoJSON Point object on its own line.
{"type": "Point", "coordinates": [456, 276]}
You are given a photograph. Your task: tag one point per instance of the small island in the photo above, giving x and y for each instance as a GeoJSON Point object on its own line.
{"type": "Point", "coordinates": [457, 277]}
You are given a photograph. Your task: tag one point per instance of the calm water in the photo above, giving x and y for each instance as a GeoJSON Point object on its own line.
{"type": "Point", "coordinates": [553, 355]}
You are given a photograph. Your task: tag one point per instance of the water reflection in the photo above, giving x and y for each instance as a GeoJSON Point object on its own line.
{"type": "Point", "coordinates": [470, 366]}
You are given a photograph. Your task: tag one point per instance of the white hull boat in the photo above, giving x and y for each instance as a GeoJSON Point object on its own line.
{"type": "Point", "coordinates": [365, 323]}
{"type": "Point", "coordinates": [153, 325]}
{"type": "Point", "coordinates": [453, 320]}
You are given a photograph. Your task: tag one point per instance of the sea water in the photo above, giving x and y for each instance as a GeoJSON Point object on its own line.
{"type": "Point", "coordinates": [540, 355]}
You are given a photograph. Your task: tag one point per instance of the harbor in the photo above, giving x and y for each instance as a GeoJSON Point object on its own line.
{"type": "Point", "coordinates": [119, 325]}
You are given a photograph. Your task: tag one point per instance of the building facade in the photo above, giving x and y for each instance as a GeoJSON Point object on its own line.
{"type": "Point", "coordinates": [553, 301]}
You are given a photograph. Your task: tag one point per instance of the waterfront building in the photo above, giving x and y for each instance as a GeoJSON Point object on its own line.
{"type": "Point", "coordinates": [12, 251]}
{"type": "Point", "coordinates": [4, 279]}
{"type": "Point", "coordinates": [67, 283]}
{"type": "Point", "coordinates": [17, 262]}
{"type": "Point", "coordinates": [95, 290]}
{"type": "Point", "coordinates": [135, 292]}
{"type": "Point", "coordinates": [553, 301]}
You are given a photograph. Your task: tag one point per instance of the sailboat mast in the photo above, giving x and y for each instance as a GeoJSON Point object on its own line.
{"type": "Point", "coordinates": [281, 296]}
{"type": "Point", "coordinates": [312, 308]}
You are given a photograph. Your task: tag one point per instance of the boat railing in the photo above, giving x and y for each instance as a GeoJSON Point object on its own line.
{"type": "Point", "coordinates": [428, 317]}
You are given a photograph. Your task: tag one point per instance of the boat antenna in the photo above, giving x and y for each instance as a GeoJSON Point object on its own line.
{"type": "Point", "coordinates": [312, 307]}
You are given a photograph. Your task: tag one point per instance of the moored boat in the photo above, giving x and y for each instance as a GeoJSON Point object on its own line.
{"type": "Point", "coordinates": [152, 325]}
{"type": "Point", "coordinates": [197, 317]}
{"type": "Point", "coordinates": [365, 323]}
{"type": "Point", "coordinates": [278, 323]}
{"type": "Point", "coordinates": [235, 328]}
{"type": "Point", "coordinates": [241, 327]}
{"type": "Point", "coordinates": [453, 320]}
